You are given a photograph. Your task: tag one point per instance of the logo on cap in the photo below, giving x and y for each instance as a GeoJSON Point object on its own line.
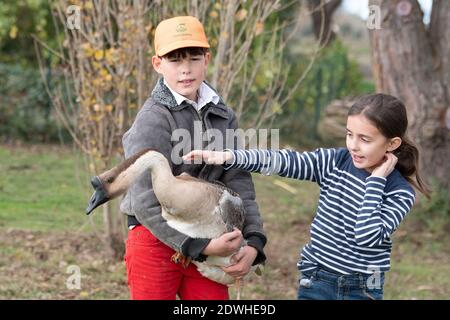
{"type": "Point", "coordinates": [181, 27]}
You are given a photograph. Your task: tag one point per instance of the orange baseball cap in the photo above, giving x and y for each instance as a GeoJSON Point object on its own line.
{"type": "Point", "coordinates": [179, 32]}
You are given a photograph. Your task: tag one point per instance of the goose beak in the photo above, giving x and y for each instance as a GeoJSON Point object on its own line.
{"type": "Point", "coordinates": [99, 196]}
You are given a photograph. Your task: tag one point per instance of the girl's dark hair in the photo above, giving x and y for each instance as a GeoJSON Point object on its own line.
{"type": "Point", "coordinates": [183, 52]}
{"type": "Point", "coordinates": [388, 114]}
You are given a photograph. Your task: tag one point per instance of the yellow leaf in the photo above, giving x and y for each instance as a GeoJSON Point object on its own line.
{"type": "Point", "coordinates": [98, 55]}
{"type": "Point", "coordinates": [259, 28]}
{"type": "Point", "coordinates": [261, 98]}
{"type": "Point", "coordinates": [241, 15]}
{"type": "Point", "coordinates": [276, 108]}
{"type": "Point", "coordinates": [88, 5]}
{"type": "Point", "coordinates": [268, 73]}
{"type": "Point", "coordinates": [97, 82]}
{"type": "Point", "coordinates": [97, 118]}
{"type": "Point", "coordinates": [109, 55]}
{"type": "Point", "coordinates": [96, 65]}
{"type": "Point", "coordinates": [285, 186]}
{"type": "Point", "coordinates": [108, 108]}
{"type": "Point", "coordinates": [86, 46]}
{"type": "Point", "coordinates": [213, 42]}
{"type": "Point", "coordinates": [13, 32]}
{"type": "Point", "coordinates": [213, 14]}
{"type": "Point", "coordinates": [104, 72]}
{"type": "Point", "coordinates": [84, 294]}
{"type": "Point", "coordinates": [88, 51]}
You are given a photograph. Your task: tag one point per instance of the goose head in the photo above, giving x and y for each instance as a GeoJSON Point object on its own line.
{"type": "Point", "coordinates": [116, 181]}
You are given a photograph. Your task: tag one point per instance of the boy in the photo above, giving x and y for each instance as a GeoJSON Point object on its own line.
{"type": "Point", "coordinates": [179, 99]}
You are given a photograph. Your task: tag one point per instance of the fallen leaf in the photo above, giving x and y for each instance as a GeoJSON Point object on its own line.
{"type": "Point", "coordinates": [285, 186]}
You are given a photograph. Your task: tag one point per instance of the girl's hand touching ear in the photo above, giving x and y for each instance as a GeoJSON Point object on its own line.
{"type": "Point", "coordinates": [386, 167]}
{"type": "Point", "coordinates": [210, 157]}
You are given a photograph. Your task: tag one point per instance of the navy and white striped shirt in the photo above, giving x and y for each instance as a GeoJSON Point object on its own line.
{"type": "Point", "coordinates": [356, 215]}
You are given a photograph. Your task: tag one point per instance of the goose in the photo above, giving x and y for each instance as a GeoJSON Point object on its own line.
{"type": "Point", "coordinates": [208, 211]}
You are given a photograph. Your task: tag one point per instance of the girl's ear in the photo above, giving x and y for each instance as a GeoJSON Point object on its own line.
{"type": "Point", "coordinates": [394, 143]}
{"type": "Point", "coordinates": [156, 62]}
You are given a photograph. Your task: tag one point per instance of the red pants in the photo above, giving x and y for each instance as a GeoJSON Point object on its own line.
{"type": "Point", "coordinates": [153, 276]}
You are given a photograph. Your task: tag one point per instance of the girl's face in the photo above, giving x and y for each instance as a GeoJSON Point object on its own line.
{"type": "Point", "coordinates": [367, 145]}
{"type": "Point", "coordinates": [183, 75]}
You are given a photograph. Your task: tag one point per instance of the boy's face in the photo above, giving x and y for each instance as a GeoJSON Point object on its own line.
{"type": "Point", "coordinates": [184, 75]}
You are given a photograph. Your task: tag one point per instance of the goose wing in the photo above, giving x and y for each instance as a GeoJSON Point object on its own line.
{"type": "Point", "coordinates": [215, 183]}
{"type": "Point", "coordinates": [232, 210]}
{"type": "Point", "coordinates": [230, 207]}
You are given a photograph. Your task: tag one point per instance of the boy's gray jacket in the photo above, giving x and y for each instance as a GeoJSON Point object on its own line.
{"type": "Point", "coordinates": [153, 127]}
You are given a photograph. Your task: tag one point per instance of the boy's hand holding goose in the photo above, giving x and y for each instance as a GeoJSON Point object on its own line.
{"type": "Point", "coordinates": [242, 262]}
{"type": "Point", "coordinates": [225, 245]}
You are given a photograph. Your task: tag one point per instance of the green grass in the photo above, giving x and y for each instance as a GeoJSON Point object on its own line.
{"type": "Point", "coordinates": [419, 272]}
{"type": "Point", "coordinates": [42, 189]}
{"type": "Point", "coordinates": [43, 230]}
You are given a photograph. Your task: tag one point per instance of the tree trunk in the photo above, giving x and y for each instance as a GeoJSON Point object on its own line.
{"type": "Point", "coordinates": [411, 63]}
{"type": "Point", "coordinates": [322, 14]}
{"type": "Point", "coordinates": [113, 238]}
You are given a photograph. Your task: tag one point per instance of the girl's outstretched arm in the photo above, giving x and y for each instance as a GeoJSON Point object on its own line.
{"type": "Point", "coordinates": [210, 157]}
{"type": "Point", "coordinates": [311, 166]}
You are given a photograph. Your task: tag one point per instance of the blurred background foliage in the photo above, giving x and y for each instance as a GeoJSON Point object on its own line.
{"type": "Point", "coordinates": [334, 76]}
{"type": "Point", "coordinates": [26, 111]}
{"type": "Point", "coordinates": [18, 21]}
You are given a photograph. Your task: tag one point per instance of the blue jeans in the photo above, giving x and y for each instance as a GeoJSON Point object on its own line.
{"type": "Point", "coordinates": [320, 284]}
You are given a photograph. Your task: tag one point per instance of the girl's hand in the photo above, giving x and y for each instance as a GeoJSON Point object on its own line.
{"type": "Point", "coordinates": [386, 167]}
{"type": "Point", "coordinates": [210, 157]}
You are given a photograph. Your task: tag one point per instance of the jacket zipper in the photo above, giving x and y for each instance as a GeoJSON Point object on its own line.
{"type": "Point", "coordinates": [200, 114]}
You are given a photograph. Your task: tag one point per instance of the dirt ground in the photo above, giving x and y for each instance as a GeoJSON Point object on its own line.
{"type": "Point", "coordinates": [38, 265]}
{"type": "Point", "coordinates": [41, 265]}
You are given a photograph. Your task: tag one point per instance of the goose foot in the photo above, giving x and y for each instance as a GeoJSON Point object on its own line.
{"type": "Point", "coordinates": [177, 257]}
{"type": "Point", "coordinates": [238, 287]}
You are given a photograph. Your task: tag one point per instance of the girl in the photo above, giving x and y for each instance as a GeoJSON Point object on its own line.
{"type": "Point", "coordinates": [365, 192]}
